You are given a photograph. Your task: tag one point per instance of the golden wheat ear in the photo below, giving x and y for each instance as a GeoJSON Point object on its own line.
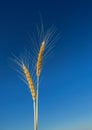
{"type": "Point", "coordinates": [30, 81]}
{"type": "Point", "coordinates": [40, 58]}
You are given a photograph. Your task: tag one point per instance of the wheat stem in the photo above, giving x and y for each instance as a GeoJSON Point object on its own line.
{"type": "Point", "coordinates": [36, 107]}
{"type": "Point", "coordinates": [34, 102]}
{"type": "Point", "coordinates": [38, 71]}
{"type": "Point", "coordinates": [37, 103]}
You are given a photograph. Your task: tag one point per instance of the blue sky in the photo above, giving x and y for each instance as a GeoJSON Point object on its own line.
{"type": "Point", "coordinates": [65, 94]}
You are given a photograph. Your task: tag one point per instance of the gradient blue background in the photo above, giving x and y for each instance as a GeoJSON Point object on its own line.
{"type": "Point", "coordinates": [65, 99]}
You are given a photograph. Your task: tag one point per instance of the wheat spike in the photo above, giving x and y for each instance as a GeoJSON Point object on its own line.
{"type": "Point", "coordinates": [40, 58]}
{"type": "Point", "coordinates": [29, 80]}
